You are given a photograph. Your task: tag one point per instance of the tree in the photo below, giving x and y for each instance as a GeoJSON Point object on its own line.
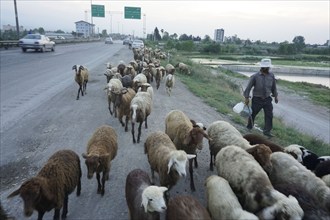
{"type": "Point", "coordinates": [299, 43]}
{"type": "Point", "coordinates": [207, 39]}
{"type": "Point", "coordinates": [60, 32]}
{"type": "Point", "coordinates": [41, 30]}
{"type": "Point", "coordinates": [104, 33]}
{"type": "Point", "coordinates": [174, 36]}
{"type": "Point", "coordinates": [156, 34]}
{"type": "Point", "coordinates": [166, 36]}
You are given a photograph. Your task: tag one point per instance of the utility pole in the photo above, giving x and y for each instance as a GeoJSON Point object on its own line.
{"type": "Point", "coordinates": [16, 16]}
{"type": "Point", "coordinates": [144, 25]}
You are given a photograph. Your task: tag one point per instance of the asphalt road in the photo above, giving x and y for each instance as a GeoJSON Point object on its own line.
{"type": "Point", "coordinates": [40, 115]}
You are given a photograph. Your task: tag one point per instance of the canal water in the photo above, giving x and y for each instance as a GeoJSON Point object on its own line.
{"type": "Point", "coordinates": [323, 80]}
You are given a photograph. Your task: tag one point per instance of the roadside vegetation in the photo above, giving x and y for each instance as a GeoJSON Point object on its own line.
{"type": "Point", "coordinates": [221, 89]}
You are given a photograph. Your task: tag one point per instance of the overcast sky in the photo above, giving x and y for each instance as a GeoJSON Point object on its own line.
{"type": "Point", "coordinates": [263, 20]}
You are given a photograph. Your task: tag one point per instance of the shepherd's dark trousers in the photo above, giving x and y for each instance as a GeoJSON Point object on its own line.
{"type": "Point", "coordinates": [265, 104]}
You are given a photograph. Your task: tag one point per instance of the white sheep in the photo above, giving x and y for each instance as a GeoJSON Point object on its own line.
{"type": "Point", "coordinates": [140, 109]}
{"type": "Point", "coordinates": [186, 135]}
{"type": "Point", "coordinates": [183, 68]}
{"type": "Point", "coordinates": [112, 88]}
{"type": "Point", "coordinates": [144, 200]}
{"type": "Point", "coordinates": [222, 134]}
{"type": "Point", "coordinates": [222, 202]}
{"type": "Point", "coordinates": [146, 87]}
{"type": "Point", "coordinates": [138, 80]}
{"type": "Point", "coordinates": [101, 149]}
{"type": "Point", "coordinates": [170, 69]}
{"type": "Point", "coordinates": [288, 170]}
{"type": "Point", "coordinates": [165, 159]}
{"type": "Point", "coordinates": [169, 83]}
{"type": "Point", "coordinates": [81, 78]}
{"type": "Point", "coordinates": [252, 185]}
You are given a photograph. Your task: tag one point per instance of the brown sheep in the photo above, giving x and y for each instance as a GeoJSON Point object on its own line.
{"type": "Point", "coordinates": [186, 207]}
{"type": "Point", "coordinates": [81, 77]}
{"type": "Point", "coordinates": [52, 186]}
{"type": "Point", "coordinates": [261, 154]}
{"type": "Point", "coordinates": [258, 139]}
{"type": "Point", "coordinates": [122, 103]}
{"type": "Point", "coordinates": [101, 150]}
{"type": "Point", "coordinates": [186, 135]}
{"type": "Point", "coordinates": [144, 200]}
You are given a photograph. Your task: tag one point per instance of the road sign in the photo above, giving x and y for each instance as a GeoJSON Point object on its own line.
{"type": "Point", "coordinates": [97, 10]}
{"type": "Point", "coordinates": [132, 13]}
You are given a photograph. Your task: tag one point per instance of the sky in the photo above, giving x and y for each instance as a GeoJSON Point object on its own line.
{"type": "Point", "coordinates": [270, 21]}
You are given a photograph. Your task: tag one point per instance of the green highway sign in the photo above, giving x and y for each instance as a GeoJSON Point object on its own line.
{"type": "Point", "coordinates": [132, 13]}
{"type": "Point", "coordinates": [97, 10]}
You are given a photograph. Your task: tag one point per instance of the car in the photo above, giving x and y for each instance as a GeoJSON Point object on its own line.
{"type": "Point", "coordinates": [108, 40]}
{"type": "Point", "coordinates": [37, 42]}
{"type": "Point", "coordinates": [127, 41]}
{"type": "Point", "coordinates": [137, 44]}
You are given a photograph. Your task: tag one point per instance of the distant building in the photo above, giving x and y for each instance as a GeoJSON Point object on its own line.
{"type": "Point", "coordinates": [219, 35]}
{"type": "Point", "coordinates": [9, 27]}
{"type": "Point", "coordinates": [84, 28]}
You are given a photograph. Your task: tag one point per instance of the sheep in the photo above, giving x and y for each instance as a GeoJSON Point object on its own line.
{"type": "Point", "coordinates": [122, 103]}
{"type": "Point", "coordinates": [310, 205]}
{"type": "Point", "coordinates": [113, 87]}
{"type": "Point", "coordinates": [121, 67]}
{"type": "Point", "coordinates": [130, 71]}
{"type": "Point", "coordinates": [127, 81]}
{"type": "Point", "coordinates": [222, 202]}
{"type": "Point", "coordinates": [185, 136]}
{"type": "Point", "coordinates": [294, 150]}
{"type": "Point", "coordinates": [52, 186]}
{"type": "Point", "coordinates": [165, 159]}
{"type": "Point", "coordinates": [140, 109]}
{"type": "Point", "coordinates": [183, 68]}
{"type": "Point", "coordinates": [146, 87]}
{"type": "Point", "coordinates": [261, 153]}
{"type": "Point", "coordinates": [112, 73]}
{"type": "Point", "coordinates": [186, 207]}
{"type": "Point", "coordinates": [288, 170]}
{"type": "Point", "coordinates": [81, 77]}
{"type": "Point", "coordinates": [170, 69]}
{"type": "Point", "coordinates": [138, 80]}
{"type": "Point", "coordinates": [252, 185]}
{"type": "Point", "coordinates": [169, 83]}
{"type": "Point", "coordinates": [322, 169]}
{"type": "Point", "coordinates": [144, 200]}
{"type": "Point", "coordinates": [101, 150]}
{"type": "Point", "coordinates": [258, 139]}
{"type": "Point", "coordinates": [222, 134]}
{"type": "Point", "coordinates": [158, 76]}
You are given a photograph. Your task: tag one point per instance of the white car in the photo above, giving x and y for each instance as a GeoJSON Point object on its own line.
{"type": "Point", "coordinates": [37, 42]}
{"type": "Point", "coordinates": [137, 44]}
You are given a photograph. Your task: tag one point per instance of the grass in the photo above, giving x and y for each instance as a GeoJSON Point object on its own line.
{"type": "Point", "coordinates": [222, 92]}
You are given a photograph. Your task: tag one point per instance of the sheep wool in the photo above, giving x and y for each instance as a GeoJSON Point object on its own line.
{"type": "Point", "coordinates": [101, 150]}
{"type": "Point", "coordinates": [144, 200]}
{"type": "Point", "coordinates": [50, 188]}
{"type": "Point", "coordinates": [165, 159]}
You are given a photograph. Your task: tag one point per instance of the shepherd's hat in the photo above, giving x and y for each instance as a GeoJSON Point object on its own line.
{"type": "Point", "coordinates": [266, 63]}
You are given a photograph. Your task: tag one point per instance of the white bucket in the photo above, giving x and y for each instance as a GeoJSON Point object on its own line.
{"type": "Point", "coordinates": [238, 108]}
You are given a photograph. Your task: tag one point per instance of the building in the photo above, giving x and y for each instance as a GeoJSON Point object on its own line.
{"type": "Point", "coordinates": [9, 27]}
{"type": "Point", "coordinates": [219, 35]}
{"type": "Point", "coordinates": [84, 28]}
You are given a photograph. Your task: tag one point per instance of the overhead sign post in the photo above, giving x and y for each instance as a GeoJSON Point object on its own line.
{"type": "Point", "coordinates": [97, 10]}
{"type": "Point", "coordinates": [132, 13]}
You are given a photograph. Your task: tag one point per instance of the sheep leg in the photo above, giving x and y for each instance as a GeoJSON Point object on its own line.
{"type": "Point", "coordinates": [41, 215]}
{"type": "Point", "coordinates": [121, 121]}
{"type": "Point", "coordinates": [192, 184]}
{"type": "Point", "coordinates": [65, 206]}
{"type": "Point", "coordinates": [133, 133]}
{"type": "Point", "coordinates": [126, 123]}
{"type": "Point", "coordinates": [57, 214]}
{"type": "Point", "coordinates": [98, 183]}
{"type": "Point", "coordinates": [195, 160]}
{"type": "Point", "coordinates": [85, 88]}
{"type": "Point", "coordinates": [146, 122]}
{"type": "Point", "coordinates": [211, 161]}
{"type": "Point", "coordinates": [79, 187]}
{"type": "Point", "coordinates": [104, 176]}
{"type": "Point", "coordinates": [78, 92]}
{"type": "Point", "coordinates": [139, 132]}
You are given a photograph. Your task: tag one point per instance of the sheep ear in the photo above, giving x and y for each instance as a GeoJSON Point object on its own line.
{"type": "Point", "coordinates": [84, 155]}
{"type": "Point", "coordinates": [163, 188]}
{"type": "Point", "coordinates": [170, 163]}
{"type": "Point", "coordinates": [15, 193]}
{"type": "Point", "coordinates": [191, 156]}
{"type": "Point", "coordinates": [144, 203]}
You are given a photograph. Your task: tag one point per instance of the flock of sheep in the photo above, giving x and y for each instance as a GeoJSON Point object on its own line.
{"type": "Point", "coordinates": [257, 179]}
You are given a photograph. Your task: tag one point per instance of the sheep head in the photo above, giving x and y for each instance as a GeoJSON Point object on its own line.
{"type": "Point", "coordinates": [178, 160]}
{"type": "Point", "coordinates": [93, 163]}
{"type": "Point", "coordinates": [33, 191]}
{"type": "Point", "coordinates": [195, 137]}
{"type": "Point", "coordinates": [153, 199]}
{"type": "Point", "coordinates": [261, 154]}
